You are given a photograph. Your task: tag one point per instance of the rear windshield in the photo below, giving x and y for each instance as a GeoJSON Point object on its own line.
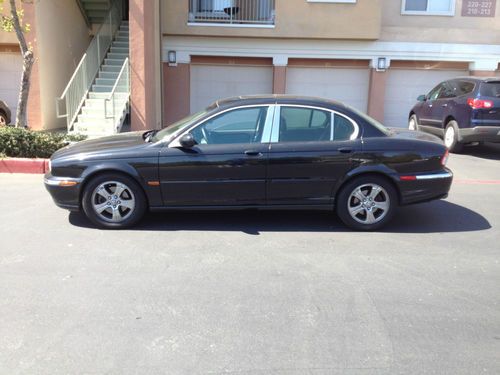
{"type": "Point", "coordinates": [490, 89]}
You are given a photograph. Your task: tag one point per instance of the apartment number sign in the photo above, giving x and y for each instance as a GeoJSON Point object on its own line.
{"type": "Point", "coordinates": [479, 8]}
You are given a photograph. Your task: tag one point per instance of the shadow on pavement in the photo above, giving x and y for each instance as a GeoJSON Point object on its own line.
{"type": "Point", "coordinates": [433, 217]}
{"type": "Point", "coordinates": [489, 151]}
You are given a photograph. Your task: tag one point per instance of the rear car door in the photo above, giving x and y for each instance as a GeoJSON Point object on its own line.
{"type": "Point", "coordinates": [310, 151]}
{"type": "Point", "coordinates": [227, 167]}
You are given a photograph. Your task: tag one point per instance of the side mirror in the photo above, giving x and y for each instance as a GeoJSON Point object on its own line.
{"type": "Point", "coordinates": [422, 98]}
{"type": "Point", "coordinates": [187, 141]}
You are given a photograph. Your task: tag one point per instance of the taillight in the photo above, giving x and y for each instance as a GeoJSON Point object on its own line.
{"type": "Point", "coordinates": [444, 158]}
{"type": "Point", "coordinates": [479, 103]}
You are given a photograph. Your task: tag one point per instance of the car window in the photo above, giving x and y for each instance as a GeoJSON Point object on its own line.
{"type": "Point", "coordinates": [343, 128]}
{"type": "Point", "coordinates": [304, 124]}
{"type": "Point", "coordinates": [434, 93]}
{"type": "Point", "coordinates": [464, 87]}
{"type": "Point", "coordinates": [491, 89]}
{"type": "Point", "coordinates": [243, 125]}
{"type": "Point", "coordinates": [446, 91]}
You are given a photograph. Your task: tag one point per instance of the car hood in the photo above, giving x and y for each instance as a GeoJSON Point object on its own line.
{"type": "Point", "coordinates": [412, 134]}
{"type": "Point", "coordinates": [111, 146]}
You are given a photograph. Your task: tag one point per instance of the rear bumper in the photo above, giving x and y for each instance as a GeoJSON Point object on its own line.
{"type": "Point", "coordinates": [64, 191]}
{"type": "Point", "coordinates": [425, 186]}
{"type": "Point", "coordinates": [480, 134]}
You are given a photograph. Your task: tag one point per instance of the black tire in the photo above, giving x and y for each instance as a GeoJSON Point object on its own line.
{"type": "Point", "coordinates": [451, 137]}
{"type": "Point", "coordinates": [346, 202]}
{"type": "Point", "coordinates": [413, 120]}
{"type": "Point", "coordinates": [130, 205]}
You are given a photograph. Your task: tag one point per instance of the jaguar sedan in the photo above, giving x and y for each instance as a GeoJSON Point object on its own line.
{"type": "Point", "coordinates": [265, 152]}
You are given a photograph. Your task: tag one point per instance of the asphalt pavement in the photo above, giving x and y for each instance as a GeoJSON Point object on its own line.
{"type": "Point", "coordinates": [254, 293]}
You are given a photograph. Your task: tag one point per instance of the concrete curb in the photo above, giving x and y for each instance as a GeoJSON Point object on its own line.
{"type": "Point", "coordinates": [22, 165]}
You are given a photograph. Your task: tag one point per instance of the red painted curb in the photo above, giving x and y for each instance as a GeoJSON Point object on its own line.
{"type": "Point", "coordinates": [21, 165]}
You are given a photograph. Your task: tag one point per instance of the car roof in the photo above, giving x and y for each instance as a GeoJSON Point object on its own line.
{"type": "Point", "coordinates": [274, 99]}
{"type": "Point", "coordinates": [476, 78]}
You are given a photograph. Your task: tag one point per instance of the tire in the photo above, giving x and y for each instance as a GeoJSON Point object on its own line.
{"type": "Point", "coordinates": [413, 123]}
{"type": "Point", "coordinates": [108, 210]}
{"type": "Point", "coordinates": [367, 203]}
{"type": "Point", "coordinates": [451, 137]}
{"type": "Point", "coordinates": [3, 120]}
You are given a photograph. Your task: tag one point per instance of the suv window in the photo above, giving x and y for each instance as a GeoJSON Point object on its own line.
{"type": "Point", "coordinates": [463, 87]}
{"type": "Point", "coordinates": [243, 125]}
{"type": "Point", "coordinates": [446, 91]}
{"type": "Point", "coordinates": [491, 89]}
{"type": "Point", "coordinates": [434, 93]}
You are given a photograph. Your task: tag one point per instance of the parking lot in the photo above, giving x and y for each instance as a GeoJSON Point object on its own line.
{"type": "Point", "coordinates": [254, 292]}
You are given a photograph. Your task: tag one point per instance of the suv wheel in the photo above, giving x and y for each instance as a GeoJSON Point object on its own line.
{"type": "Point", "coordinates": [413, 123]}
{"type": "Point", "coordinates": [451, 137]}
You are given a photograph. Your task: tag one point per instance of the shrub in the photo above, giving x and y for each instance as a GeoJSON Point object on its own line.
{"type": "Point", "coordinates": [24, 143]}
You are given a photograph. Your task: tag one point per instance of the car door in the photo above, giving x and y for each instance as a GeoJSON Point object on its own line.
{"type": "Point", "coordinates": [310, 150]}
{"type": "Point", "coordinates": [227, 166]}
{"type": "Point", "coordinates": [428, 114]}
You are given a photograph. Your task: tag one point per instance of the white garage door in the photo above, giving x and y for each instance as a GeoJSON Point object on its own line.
{"type": "Point", "coordinates": [403, 88]}
{"type": "Point", "coordinates": [349, 86]}
{"type": "Point", "coordinates": [210, 83]}
{"type": "Point", "coordinates": [11, 67]}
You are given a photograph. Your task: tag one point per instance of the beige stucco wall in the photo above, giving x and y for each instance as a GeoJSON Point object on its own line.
{"type": "Point", "coordinates": [294, 19]}
{"type": "Point", "coordinates": [440, 29]}
{"type": "Point", "coordinates": [62, 37]}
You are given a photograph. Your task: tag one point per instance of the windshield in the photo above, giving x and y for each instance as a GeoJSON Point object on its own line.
{"type": "Point", "coordinates": [168, 132]}
{"type": "Point", "coordinates": [370, 120]}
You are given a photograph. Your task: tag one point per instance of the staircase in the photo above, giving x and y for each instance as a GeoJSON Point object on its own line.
{"type": "Point", "coordinates": [96, 100]}
{"type": "Point", "coordinates": [95, 119]}
{"type": "Point", "coordinates": [95, 10]}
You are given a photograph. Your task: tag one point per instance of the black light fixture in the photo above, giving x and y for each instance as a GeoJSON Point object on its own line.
{"type": "Point", "coordinates": [172, 57]}
{"type": "Point", "coordinates": [381, 64]}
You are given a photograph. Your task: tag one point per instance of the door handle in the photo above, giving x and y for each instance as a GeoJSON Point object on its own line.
{"type": "Point", "coordinates": [444, 105]}
{"type": "Point", "coordinates": [345, 150]}
{"type": "Point", "coordinates": [253, 153]}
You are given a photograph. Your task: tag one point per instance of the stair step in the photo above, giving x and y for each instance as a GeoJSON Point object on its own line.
{"type": "Point", "coordinates": [124, 50]}
{"type": "Point", "coordinates": [115, 62]}
{"type": "Point", "coordinates": [105, 95]}
{"type": "Point", "coordinates": [117, 56]}
{"type": "Point", "coordinates": [110, 68]}
{"type": "Point", "coordinates": [108, 75]}
{"type": "Point", "coordinates": [105, 82]}
{"type": "Point", "coordinates": [121, 42]}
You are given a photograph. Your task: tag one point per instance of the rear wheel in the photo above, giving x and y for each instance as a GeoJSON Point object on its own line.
{"type": "Point", "coordinates": [113, 201]}
{"type": "Point", "coordinates": [367, 203]}
{"type": "Point", "coordinates": [451, 137]}
{"type": "Point", "coordinates": [413, 123]}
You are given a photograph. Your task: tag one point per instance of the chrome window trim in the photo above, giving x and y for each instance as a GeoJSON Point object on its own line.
{"type": "Point", "coordinates": [277, 118]}
{"type": "Point", "coordinates": [270, 113]}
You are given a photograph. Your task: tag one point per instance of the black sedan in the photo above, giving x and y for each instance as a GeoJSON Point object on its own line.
{"type": "Point", "coordinates": [265, 152]}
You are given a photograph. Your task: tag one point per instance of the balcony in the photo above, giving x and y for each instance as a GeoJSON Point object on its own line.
{"type": "Point", "coordinates": [256, 13]}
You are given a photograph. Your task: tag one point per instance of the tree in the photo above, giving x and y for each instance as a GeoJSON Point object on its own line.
{"type": "Point", "coordinates": [14, 22]}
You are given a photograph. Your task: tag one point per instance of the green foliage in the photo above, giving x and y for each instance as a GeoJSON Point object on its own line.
{"type": "Point", "coordinates": [7, 23]}
{"type": "Point", "coordinates": [24, 143]}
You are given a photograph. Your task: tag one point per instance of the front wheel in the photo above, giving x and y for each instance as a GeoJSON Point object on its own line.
{"type": "Point", "coordinates": [413, 123]}
{"type": "Point", "coordinates": [451, 137]}
{"type": "Point", "coordinates": [367, 203]}
{"type": "Point", "coordinates": [113, 201]}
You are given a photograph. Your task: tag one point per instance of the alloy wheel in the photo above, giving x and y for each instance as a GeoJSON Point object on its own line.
{"type": "Point", "coordinates": [113, 201]}
{"type": "Point", "coordinates": [449, 137]}
{"type": "Point", "coordinates": [368, 203]}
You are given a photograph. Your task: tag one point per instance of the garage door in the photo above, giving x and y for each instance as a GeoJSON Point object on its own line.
{"type": "Point", "coordinates": [11, 66]}
{"type": "Point", "coordinates": [403, 88]}
{"type": "Point", "coordinates": [210, 83]}
{"type": "Point", "coordinates": [349, 86]}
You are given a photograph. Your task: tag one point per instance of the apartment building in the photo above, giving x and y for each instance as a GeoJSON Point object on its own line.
{"type": "Point", "coordinates": [160, 60]}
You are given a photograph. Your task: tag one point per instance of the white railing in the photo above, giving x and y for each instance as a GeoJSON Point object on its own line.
{"type": "Point", "coordinates": [116, 103]}
{"type": "Point", "coordinates": [252, 12]}
{"type": "Point", "coordinates": [78, 87]}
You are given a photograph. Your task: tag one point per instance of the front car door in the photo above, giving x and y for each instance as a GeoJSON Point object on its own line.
{"type": "Point", "coordinates": [227, 167]}
{"type": "Point", "coordinates": [311, 148]}
{"type": "Point", "coordinates": [427, 115]}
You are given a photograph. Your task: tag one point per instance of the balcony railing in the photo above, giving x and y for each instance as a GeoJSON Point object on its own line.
{"type": "Point", "coordinates": [233, 12]}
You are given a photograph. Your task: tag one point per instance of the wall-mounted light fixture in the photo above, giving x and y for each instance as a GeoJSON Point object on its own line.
{"type": "Point", "coordinates": [381, 64]}
{"type": "Point", "coordinates": [172, 57]}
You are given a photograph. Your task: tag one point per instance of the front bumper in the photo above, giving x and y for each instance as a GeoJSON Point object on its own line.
{"type": "Point", "coordinates": [480, 134]}
{"type": "Point", "coordinates": [65, 191]}
{"type": "Point", "coordinates": [425, 187]}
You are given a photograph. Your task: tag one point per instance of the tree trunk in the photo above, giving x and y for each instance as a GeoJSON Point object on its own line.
{"type": "Point", "coordinates": [22, 106]}
{"type": "Point", "coordinates": [28, 61]}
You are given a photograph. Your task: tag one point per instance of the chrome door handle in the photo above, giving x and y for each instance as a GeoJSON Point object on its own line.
{"type": "Point", "coordinates": [253, 153]}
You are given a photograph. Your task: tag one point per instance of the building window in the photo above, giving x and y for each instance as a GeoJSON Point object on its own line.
{"type": "Point", "coordinates": [428, 7]}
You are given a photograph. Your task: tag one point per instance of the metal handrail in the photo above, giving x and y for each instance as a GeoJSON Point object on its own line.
{"type": "Point", "coordinates": [122, 86]}
{"type": "Point", "coordinates": [76, 91]}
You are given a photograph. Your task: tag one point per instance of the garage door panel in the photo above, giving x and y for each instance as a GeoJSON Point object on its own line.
{"type": "Point", "coordinates": [349, 86]}
{"type": "Point", "coordinates": [210, 83]}
{"type": "Point", "coordinates": [11, 65]}
{"type": "Point", "coordinates": [405, 85]}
